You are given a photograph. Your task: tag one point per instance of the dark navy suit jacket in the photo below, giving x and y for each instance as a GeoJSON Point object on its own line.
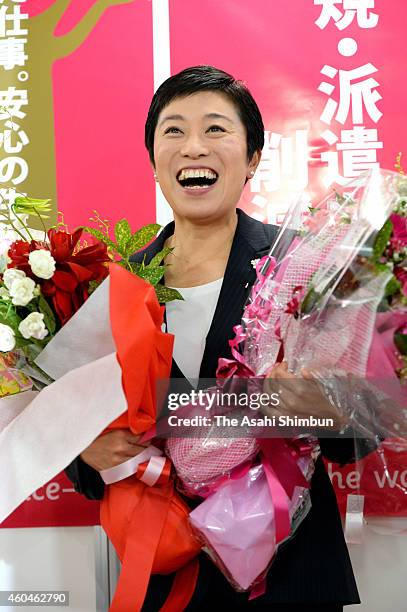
{"type": "Point", "coordinates": [314, 566]}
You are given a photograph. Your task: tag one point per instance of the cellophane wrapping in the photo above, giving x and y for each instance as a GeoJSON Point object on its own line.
{"type": "Point", "coordinates": [236, 524]}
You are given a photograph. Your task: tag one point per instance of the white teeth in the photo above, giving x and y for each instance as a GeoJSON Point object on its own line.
{"type": "Point", "coordinates": [198, 187]}
{"type": "Point", "coordinates": [196, 173]}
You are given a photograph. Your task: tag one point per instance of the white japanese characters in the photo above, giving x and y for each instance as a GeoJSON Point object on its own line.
{"type": "Point", "coordinates": [12, 45]}
{"type": "Point", "coordinates": [330, 10]}
{"type": "Point", "coordinates": [13, 101]}
{"type": "Point", "coordinates": [357, 149]}
{"type": "Point", "coordinates": [283, 164]}
{"type": "Point", "coordinates": [353, 96]}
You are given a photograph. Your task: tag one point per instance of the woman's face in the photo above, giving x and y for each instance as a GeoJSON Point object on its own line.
{"type": "Point", "coordinates": [200, 153]}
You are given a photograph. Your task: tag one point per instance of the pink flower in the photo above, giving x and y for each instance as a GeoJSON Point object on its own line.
{"type": "Point", "coordinates": [399, 235]}
{"type": "Point", "coordinates": [316, 221]}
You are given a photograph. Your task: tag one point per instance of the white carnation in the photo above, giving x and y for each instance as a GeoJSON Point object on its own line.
{"type": "Point", "coordinates": [22, 291]}
{"type": "Point", "coordinates": [33, 326]}
{"type": "Point", "coordinates": [12, 274]}
{"type": "Point", "coordinates": [7, 338]}
{"type": "Point", "coordinates": [42, 263]}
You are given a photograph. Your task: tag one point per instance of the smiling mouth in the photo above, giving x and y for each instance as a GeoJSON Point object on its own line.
{"type": "Point", "coordinates": [200, 178]}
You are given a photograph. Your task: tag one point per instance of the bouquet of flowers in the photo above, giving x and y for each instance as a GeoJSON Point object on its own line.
{"type": "Point", "coordinates": [94, 357]}
{"type": "Point", "coordinates": [46, 327]}
{"type": "Point", "coordinates": [324, 299]}
{"type": "Point", "coordinates": [46, 278]}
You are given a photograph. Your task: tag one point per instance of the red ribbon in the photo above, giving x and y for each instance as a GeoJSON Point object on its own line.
{"type": "Point", "coordinates": [164, 474]}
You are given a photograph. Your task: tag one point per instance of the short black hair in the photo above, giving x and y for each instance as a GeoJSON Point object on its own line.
{"type": "Point", "coordinates": [207, 78]}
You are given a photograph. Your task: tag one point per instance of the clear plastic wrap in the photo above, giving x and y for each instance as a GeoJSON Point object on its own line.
{"type": "Point", "coordinates": [330, 297]}
{"type": "Point", "coordinates": [12, 378]}
{"type": "Point", "coordinates": [336, 290]}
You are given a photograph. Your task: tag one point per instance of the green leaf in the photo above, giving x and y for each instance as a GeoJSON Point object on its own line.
{"type": "Point", "coordinates": [134, 267]}
{"type": "Point", "coordinates": [49, 317]}
{"type": "Point", "coordinates": [166, 294]}
{"type": "Point", "coordinates": [9, 316]}
{"type": "Point", "coordinates": [152, 275]}
{"type": "Point", "coordinates": [21, 342]}
{"type": "Point", "coordinates": [122, 233]}
{"type": "Point", "coordinates": [381, 267]}
{"type": "Point", "coordinates": [382, 239]}
{"type": "Point", "coordinates": [142, 237]}
{"type": "Point", "coordinates": [92, 286]}
{"type": "Point", "coordinates": [30, 206]}
{"type": "Point", "coordinates": [158, 258]}
{"type": "Point", "coordinates": [310, 300]}
{"type": "Point", "coordinates": [32, 347]}
{"type": "Point", "coordinates": [400, 340]}
{"type": "Point", "coordinates": [392, 287]}
{"type": "Point", "coordinates": [101, 236]}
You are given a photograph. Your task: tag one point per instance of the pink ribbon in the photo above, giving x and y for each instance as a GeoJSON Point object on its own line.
{"type": "Point", "coordinates": [233, 367]}
{"type": "Point", "coordinates": [280, 503]}
{"type": "Point", "coordinates": [283, 474]}
{"type": "Point", "coordinates": [280, 462]}
{"type": "Point", "coordinates": [258, 308]}
{"type": "Point", "coordinates": [258, 589]}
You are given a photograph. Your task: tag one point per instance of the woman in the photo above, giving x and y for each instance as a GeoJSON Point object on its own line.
{"type": "Point", "coordinates": [204, 135]}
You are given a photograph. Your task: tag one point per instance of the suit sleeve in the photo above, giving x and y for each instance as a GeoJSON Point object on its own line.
{"type": "Point", "coordinates": [346, 448]}
{"type": "Point", "coordinates": [85, 479]}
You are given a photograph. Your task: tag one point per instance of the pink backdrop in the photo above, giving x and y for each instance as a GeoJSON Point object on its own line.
{"type": "Point", "coordinates": [102, 92]}
{"type": "Point", "coordinates": [101, 96]}
{"type": "Point", "coordinates": [103, 89]}
{"type": "Point", "coordinates": [279, 51]}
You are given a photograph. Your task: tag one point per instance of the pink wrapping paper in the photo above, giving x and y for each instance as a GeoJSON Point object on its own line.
{"type": "Point", "coordinates": [237, 526]}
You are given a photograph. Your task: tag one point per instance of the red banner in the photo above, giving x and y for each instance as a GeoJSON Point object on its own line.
{"type": "Point", "coordinates": [381, 477]}
{"type": "Point", "coordinates": [56, 504]}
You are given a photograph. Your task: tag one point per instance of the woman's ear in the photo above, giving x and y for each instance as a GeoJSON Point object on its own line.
{"type": "Point", "coordinates": [254, 162]}
{"type": "Point", "coordinates": [154, 173]}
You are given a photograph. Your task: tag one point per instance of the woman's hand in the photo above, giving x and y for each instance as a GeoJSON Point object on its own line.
{"type": "Point", "coordinates": [112, 448]}
{"type": "Point", "coordinates": [302, 398]}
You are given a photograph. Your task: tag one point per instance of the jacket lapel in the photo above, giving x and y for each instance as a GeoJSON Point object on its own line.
{"type": "Point", "coordinates": [252, 240]}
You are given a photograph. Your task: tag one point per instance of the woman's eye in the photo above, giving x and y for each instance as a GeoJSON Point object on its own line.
{"type": "Point", "coordinates": [172, 130]}
{"type": "Point", "coordinates": [216, 128]}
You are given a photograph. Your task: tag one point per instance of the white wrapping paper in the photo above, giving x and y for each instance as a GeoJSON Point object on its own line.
{"type": "Point", "coordinates": [41, 433]}
{"type": "Point", "coordinates": [12, 405]}
{"type": "Point", "coordinates": [84, 338]}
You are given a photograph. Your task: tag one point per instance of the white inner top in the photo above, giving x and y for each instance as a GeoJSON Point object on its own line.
{"type": "Point", "coordinates": [189, 321]}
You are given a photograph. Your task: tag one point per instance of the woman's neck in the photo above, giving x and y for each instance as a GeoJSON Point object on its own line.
{"type": "Point", "coordinates": [200, 252]}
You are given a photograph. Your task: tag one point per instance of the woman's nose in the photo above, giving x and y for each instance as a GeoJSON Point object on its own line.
{"type": "Point", "coordinates": [194, 147]}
